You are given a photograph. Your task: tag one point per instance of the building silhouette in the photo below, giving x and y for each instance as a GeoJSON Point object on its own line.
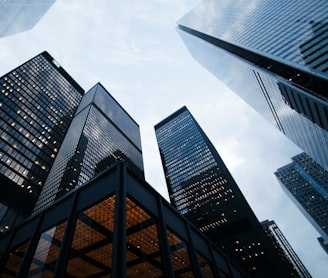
{"type": "Point", "coordinates": [115, 225]}
{"type": "Point", "coordinates": [274, 55]}
{"type": "Point", "coordinates": [37, 102]}
{"type": "Point", "coordinates": [306, 184]}
{"type": "Point", "coordinates": [21, 15]}
{"type": "Point", "coordinates": [285, 250]}
{"type": "Point", "coordinates": [101, 134]}
{"type": "Point", "coordinates": [203, 190]}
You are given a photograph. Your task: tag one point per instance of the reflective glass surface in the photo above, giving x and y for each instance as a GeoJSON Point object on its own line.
{"type": "Point", "coordinates": [143, 244]}
{"type": "Point", "coordinates": [301, 116]}
{"type": "Point", "coordinates": [293, 32]}
{"type": "Point", "coordinates": [14, 261]}
{"type": "Point", "coordinates": [36, 104]}
{"type": "Point", "coordinates": [179, 256]}
{"type": "Point", "coordinates": [143, 257]}
{"type": "Point", "coordinates": [18, 16]}
{"type": "Point", "coordinates": [93, 143]}
{"type": "Point", "coordinates": [203, 190]}
{"type": "Point", "coordinates": [114, 111]}
{"type": "Point", "coordinates": [91, 250]}
{"type": "Point", "coordinates": [47, 252]}
{"type": "Point", "coordinates": [306, 183]}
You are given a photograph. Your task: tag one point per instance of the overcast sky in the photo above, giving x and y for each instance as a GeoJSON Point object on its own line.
{"type": "Point", "coordinates": [133, 49]}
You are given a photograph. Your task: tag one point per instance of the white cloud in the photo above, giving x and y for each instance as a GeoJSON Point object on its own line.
{"type": "Point", "coordinates": [137, 55]}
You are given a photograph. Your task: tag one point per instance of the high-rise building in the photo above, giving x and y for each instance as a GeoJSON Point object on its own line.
{"type": "Point", "coordinates": [203, 190]}
{"type": "Point", "coordinates": [101, 134]}
{"type": "Point", "coordinates": [274, 55]}
{"type": "Point", "coordinates": [115, 225]}
{"type": "Point", "coordinates": [21, 15]}
{"type": "Point", "coordinates": [37, 103]}
{"type": "Point", "coordinates": [284, 248]}
{"type": "Point", "coordinates": [306, 183]}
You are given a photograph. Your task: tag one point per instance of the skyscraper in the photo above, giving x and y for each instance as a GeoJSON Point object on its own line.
{"type": "Point", "coordinates": [21, 15]}
{"type": "Point", "coordinates": [306, 183]}
{"type": "Point", "coordinates": [101, 134]}
{"type": "Point", "coordinates": [37, 103]}
{"type": "Point", "coordinates": [274, 55]}
{"type": "Point", "coordinates": [203, 190]}
{"type": "Point", "coordinates": [284, 248]}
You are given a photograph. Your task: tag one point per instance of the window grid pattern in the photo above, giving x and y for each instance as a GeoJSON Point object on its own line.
{"type": "Point", "coordinates": [36, 104]}
{"type": "Point", "coordinates": [47, 251]}
{"type": "Point", "coordinates": [92, 144]}
{"type": "Point", "coordinates": [91, 237]}
{"type": "Point", "coordinates": [301, 116]}
{"type": "Point", "coordinates": [208, 196]}
{"type": "Point", "coordinates": [91, 249]}
{"type": "Point", "coordinates": [302, 42]}
{"type": "Point", "coordinates": [143, 257]}
{"type": "Point", "coordinates": [307, 184]}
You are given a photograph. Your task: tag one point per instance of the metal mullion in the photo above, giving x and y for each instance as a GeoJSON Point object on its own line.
{"type": "Point", "coordinates": [163, 240]}
{"type": "Point", "coordinates": [119, 237]}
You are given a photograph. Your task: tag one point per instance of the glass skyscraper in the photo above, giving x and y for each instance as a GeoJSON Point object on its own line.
{"type": "Point", "coordinates": [37, 103]}
{"type": "Point", "coordinates": [203, 190]}
{"type": "Point", "coordinates": [21, 15]}
{"type": "Point", "coordinates": [274, 55]}
{"type": "Point", "coordinates": [306, 183]}
{"type": "Point", "coordinates": [101, 134]}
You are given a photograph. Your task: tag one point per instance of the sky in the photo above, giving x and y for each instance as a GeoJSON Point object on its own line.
{"type": "Point", "coordinates": [132, 48]}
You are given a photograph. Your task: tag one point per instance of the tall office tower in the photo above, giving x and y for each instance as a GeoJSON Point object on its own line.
{"type": "Point", "coordinates": [202, 189]}
{"type": "Point", "coordinates": [284, 248]}
{"type": "Point", "coordinates": [37, 103]}
{"type": "Point", "coordinates": [21, 15]}
{"type": "Point", "coordinates": [101, 134]}
{"type": "Point", "coordinates": [306, 183]}
{"type": "Point", "coordinates": [274, 55]}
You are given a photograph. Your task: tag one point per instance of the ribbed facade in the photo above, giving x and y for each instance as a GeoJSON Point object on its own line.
{"type": "Point", "coordinates": [202, 189]}
{"type": "Point", "coordinates": [37, 103]}
{"type": "Point", "coordinates": [21, 15]}
{"type": "Point", "coordinates": [285, 250]}
{"type": "Point", "coordinates": [274, 55]}
{"type": "Point", "coordinates": [101, 134]}
{"type": "Point", "coordinates": [306, 183]}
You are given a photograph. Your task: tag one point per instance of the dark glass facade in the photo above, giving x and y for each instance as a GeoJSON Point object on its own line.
{"type": "Point", "coordinates": [274, 55]}
{"type": "Point", "coordinates": [17, 16]}
{"type": "Point", "coordinates": [306, 183]}
{"type": "Point", "coordinates": [37, 103]}
{"type": "Point", "coordinates": [202, 189]}
{"type": "Point", "coordinates": [101, 134]}
{"type": "Point", "coordinates": [126, 229]}
{"type": "Point", "coordinates": [284, 249]}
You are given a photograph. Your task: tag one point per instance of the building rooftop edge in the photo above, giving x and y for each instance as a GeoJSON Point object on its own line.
{"type": "Point", "coordinates": [170, 117]}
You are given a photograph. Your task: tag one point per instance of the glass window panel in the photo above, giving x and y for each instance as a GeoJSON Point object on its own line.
{"type": "Point", "coordinates": [47, 251]}
{"type": "Point", "coordinates": [91, 250]}
{"type": "Point", "coordinates": [14, 261]}
{"type": "Point", "coordinates": [179, 256]}
{"type": "Point", "coordinates": [143, 253]}
{"type": "Point", "coordinates": [205, 266]}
